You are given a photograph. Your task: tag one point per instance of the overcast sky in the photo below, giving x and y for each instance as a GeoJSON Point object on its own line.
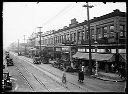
{"type": "Point", "coordinates": [23, 18]}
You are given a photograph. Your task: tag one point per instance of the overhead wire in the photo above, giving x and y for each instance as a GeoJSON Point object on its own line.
{"type": "Point", "coordinates": [60, 13]}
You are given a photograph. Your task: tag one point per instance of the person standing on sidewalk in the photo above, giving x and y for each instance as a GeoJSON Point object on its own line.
{"type": "Point", "coordinates": [64, 76]}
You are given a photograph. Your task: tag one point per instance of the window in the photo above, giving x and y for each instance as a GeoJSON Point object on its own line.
{"type": "Point", "coordinates": [112, 34]}
{"type": "Point", "coordinates": [83, 35]}
{"type": "Point", "coordinates": [101, 50]}
{"type": "Point", "coordinates": [92, 33]}
{"type": "Point", "coordinates": [68, 37]}
{"type": "Point", "coordinates": [99, 33]}
{"type": "Point", "coordinates": [74, 36]}
{"type": "Point", "coordinates": [105, 31]}
{"type": "Point", "coordinates": [87, 34]}
{"type": "Point", "coordinates": [122, 30]}
{"type": "Point", "coordinates": [71, 36]}
{"type": "Point", "coordinates": [78, 35]}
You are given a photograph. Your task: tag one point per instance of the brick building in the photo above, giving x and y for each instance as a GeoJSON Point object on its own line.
{"type": "Point", "coordinates": [108, 37]}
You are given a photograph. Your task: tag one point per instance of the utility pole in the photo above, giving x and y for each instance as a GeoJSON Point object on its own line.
{"type": "Point", "coordinates": [40, 39]}
{"type": "Point", "coordinates": [90, 56]}
{"type": "Point", "coordinates": [24, 45]}
{"type": "Point", "coordinates": [18, 46]}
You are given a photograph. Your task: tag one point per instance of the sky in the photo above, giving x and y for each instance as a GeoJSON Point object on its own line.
{"type": "Point", "coordinates": [23, 18]}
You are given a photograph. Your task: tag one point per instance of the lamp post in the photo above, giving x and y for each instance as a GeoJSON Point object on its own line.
{"type": "Point", "coordinates": [90, 56]}
{"type": "Point", "coordinates": [40, 39]}
{"type": "Point", "coordinates": [96, 71]}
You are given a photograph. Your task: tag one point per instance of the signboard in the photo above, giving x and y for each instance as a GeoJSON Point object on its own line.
{"type": "Point", "coordinates": [58, 49]}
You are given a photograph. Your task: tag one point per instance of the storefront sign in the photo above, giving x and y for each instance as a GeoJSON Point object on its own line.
{"type": "Point", "coordinates": [65, 48]}
{"type": "Point", "coordinates": [58, 49]}
{"type": "Point", "coordinates": [81, 49]}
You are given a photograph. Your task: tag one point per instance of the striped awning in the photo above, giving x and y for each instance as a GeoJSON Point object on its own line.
{"type": "Point", "coordinates": [123, 59]}
{"type": "Point", "coordinates": [95, 56]}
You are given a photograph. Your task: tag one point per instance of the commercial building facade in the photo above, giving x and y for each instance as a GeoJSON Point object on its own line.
{"type": "Point", "coordinates": [108, 36]}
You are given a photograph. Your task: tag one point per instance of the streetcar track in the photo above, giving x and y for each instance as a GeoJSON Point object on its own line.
{"type": "Point", "coordinates": [58, 77]}
{"type": "Point", "coordinates": [39, 80]}
{"type": "Point", "coordinates": [25, 78]}
{"type": "Point", "coordinates": [52, 78]}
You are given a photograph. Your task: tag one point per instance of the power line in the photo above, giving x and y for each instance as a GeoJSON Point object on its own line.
{"type": "Point", "coordinates": [62, 11]}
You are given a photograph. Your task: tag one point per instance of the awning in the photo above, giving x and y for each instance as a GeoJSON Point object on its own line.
{"type": "Point", "coordinates": [95, 56]}
{"type": "Point", "coordinates": [123, 57]}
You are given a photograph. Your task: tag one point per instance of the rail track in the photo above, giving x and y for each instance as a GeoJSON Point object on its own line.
{"type": "Point", "coordinates": [61, 84]}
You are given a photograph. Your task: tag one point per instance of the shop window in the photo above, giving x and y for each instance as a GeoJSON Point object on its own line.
{"type": "Point", "coordinates": [105, 31]}
{"type": "Point", "coordinates": [101, 50]}
{"type": "Point", "coordinates": [122, 50]}
{"type": "Point", "coordinates": [113, 50]}
{"type": "Point", "coordinates": [112, 34]}
{"type": "Point", "coordinates": [87, 50]}
{"type": "Point", "coordinates": [92, 50]}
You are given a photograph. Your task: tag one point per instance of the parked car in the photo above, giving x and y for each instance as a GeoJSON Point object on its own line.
{"type": "Point", "coordinates": [3, 66]}
{"type": "Point", "coordinates": [6, 82]}
{"type": "Point", "coordinates": [36, 59]}
{"type": "Point", "coordinates": [9, 62]}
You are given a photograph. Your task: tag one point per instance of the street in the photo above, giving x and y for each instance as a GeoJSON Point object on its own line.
{"type": "Point", "coordinates": [45, 78]}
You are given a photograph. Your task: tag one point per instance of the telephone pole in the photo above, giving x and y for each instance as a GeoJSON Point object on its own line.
{"type": "Point", "coordinates": [18, 46]}
{"type": "Point", "coordinates": [24, 45]}
{"type": "Point", "coordinates": [40, 39]}
{"type": "Point", "coordinates": [90, 56]}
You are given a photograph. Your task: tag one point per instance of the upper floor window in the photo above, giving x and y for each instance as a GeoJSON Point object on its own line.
{"type": "Point", "coordinates": [79, 36]}
{"type": "Point", "coordinates": [87, 34]}
{"type": "Point", "coordinates": [83, 35]}
{"type": "Point", "coordinates": [122, 30]}
{"type": "Point", "coordinates": [112, 33]}
{"type": "Point", "coordinates": [68, 37]}
{"type": "Point", "coordinates": [99, 34]}
{"type": "Point", "coordinates": [92, 33]}
{"type": "Point", "coordinates": [105, 31]}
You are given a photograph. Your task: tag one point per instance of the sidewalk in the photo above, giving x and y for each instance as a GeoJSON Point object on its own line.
{"type": "Point", "coordinates": [91, 84]}
{"type": "Point", "coordinates": [109, 77]}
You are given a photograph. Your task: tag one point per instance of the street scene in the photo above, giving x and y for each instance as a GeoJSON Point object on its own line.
{"type": "Point", "coordinates": [69, 47]}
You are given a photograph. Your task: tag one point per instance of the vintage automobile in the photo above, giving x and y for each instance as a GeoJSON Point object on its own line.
{"type": "Point", "coordinates": [6, 82]}
{"type": "Point", "coordinates": [3, 66]}
{"type": "Point", "coordinates": [9, 61]}
{"type": "Point", "coordinates": [36, 59]}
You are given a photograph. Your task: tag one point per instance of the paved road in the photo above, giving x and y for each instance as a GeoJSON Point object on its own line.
{"type": "Point", "coordinates": [19, 83]}
{"type": "Point", "coordinates": [51, 78]}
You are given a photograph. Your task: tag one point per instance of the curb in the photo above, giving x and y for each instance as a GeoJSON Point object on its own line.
{"type": "Point", "coordinates": [104, 79]}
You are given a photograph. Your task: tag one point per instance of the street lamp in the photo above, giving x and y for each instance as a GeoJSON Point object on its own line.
{"type": "Point", "coordinates": [96, 71]}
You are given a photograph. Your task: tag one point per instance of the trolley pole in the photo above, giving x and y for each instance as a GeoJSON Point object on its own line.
{"type": "Point", "coordinates": [40, 39]}
{"type": "Point", "coordinates": [90, 56]}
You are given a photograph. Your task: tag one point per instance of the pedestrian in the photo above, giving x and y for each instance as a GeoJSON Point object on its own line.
{"type": "Point", "coordinates": [112, 66]}
{"type": "Point", "coordinates": [82, 73]}
{"type": "Point", "coordinates": [64, 76]}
